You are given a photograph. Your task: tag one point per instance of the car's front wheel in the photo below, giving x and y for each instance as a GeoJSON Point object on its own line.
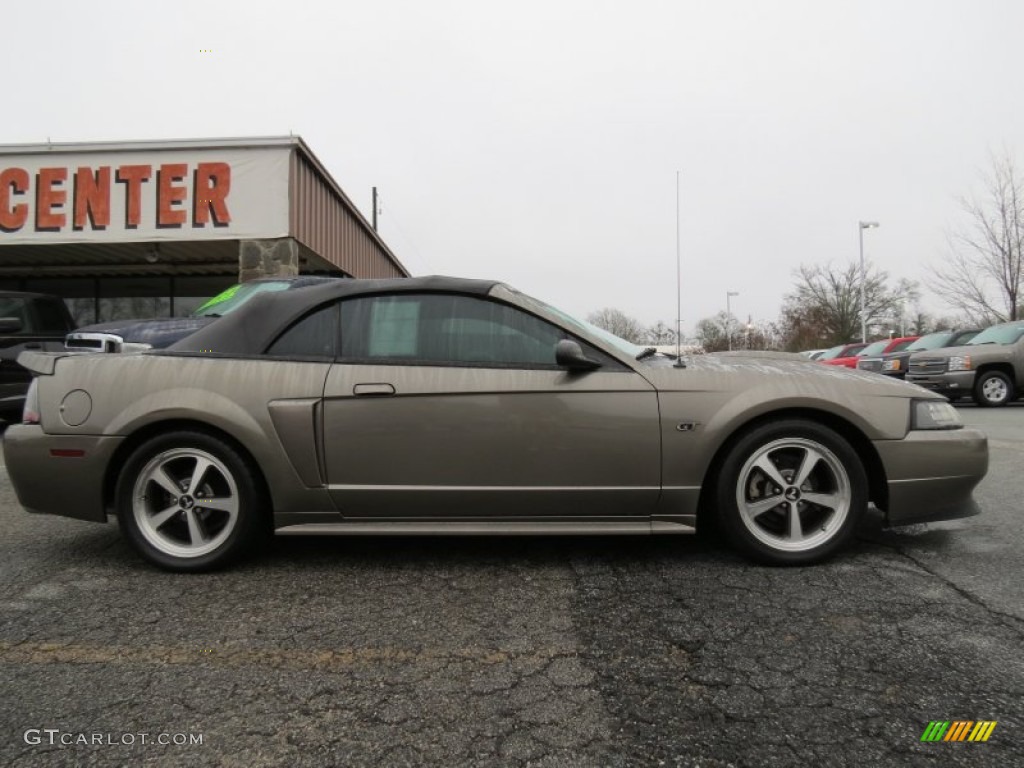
{"type": "Point", "coordinates": [189, 501]}
{"type": "Point", "coordinates": [791, 493]}
{"type": "Point", "coordinates": [993, 389]}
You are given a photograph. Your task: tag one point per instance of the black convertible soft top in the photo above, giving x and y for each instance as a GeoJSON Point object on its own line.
{"type": "Point", "coordinates": [252, 327]}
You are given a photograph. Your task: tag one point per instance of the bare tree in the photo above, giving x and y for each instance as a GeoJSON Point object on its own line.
{"type": "Point", "coordinates": [763, 335]}
{"type": "Point", "coordinates": [711, 332]}
{"type": "Point", "coordinates": [983, 275]}
{"type": "Point", "coordinates": [618, 322]}
{"type": "Point", "coordinates": [920, 322]}
{"type": "Point", "coordinates": [824, 307]}
{"type": "Point", "coordinates": [660, 334]}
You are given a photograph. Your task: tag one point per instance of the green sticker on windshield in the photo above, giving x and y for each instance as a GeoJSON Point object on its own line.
{"type": "Point", "coordinates": [220, 298]}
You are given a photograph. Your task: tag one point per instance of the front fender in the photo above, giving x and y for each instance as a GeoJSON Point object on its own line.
{"type": "Point", "coordinates": [716, 416]}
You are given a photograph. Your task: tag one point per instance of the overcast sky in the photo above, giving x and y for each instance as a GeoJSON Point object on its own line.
{"type": "Point", "coordinates": [538, 142]}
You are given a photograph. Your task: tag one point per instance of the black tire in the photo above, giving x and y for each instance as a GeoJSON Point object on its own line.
{"type": "Point", "coordinates": [765, 531]}
{"type": "Point", "coordinates": [993, 389]}
{"type": "Point", "coordinates": [227, 514]}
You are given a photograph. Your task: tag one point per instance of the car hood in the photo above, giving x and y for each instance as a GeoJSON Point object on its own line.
{"type": "Point", "coordinates": [157, 333]}
{"type": "Point", "coordinates": [777, 377]}
{"type": "Point", "coordinates": [967, 349]}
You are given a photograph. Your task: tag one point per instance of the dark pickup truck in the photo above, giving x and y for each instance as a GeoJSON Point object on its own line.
{"type": "Point", "coordinates": [27, 321]}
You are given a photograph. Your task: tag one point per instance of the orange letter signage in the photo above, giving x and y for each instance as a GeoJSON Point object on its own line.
{"type": "Point", "coordinates": [92, 198]}
{"type": "Point", "coordinates": [210, 187]}
{"type": "Point", "coordinates": [13, 181]}
{"type": "Point", "coordinates": [50, 199]}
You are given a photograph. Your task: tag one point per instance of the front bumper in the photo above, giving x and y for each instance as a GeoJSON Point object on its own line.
{"type": "Point", "coordinates": [70, 486]}
{"type": "Point", "coordinates": [931, 474]}
{"type": "Point", "coordinates": [956, 383]}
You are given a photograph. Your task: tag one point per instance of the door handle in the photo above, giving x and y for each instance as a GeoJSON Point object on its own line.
{"type": "Point", "coordinates": [373, 390]}
{"type": "Point", "coordinates": [33, 345]}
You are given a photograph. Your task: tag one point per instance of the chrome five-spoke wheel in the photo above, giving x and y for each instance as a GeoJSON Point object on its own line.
{"type": "Point", "coordinates": [791, 492]}
{"type": "Point", "coordinates": [185, 502]}
{"type": "Point", "coordinates": [190, 501]}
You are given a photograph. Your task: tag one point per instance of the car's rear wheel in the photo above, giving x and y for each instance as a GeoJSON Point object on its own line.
{"type": "Point", "coordinates": [791, 493]}
{"type": "Point", "coordinates": [993, 389]}
{"type": "Point", "coordinates": [188, 501]}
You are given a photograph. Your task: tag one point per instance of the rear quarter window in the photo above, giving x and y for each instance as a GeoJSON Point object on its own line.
{"type": "Point", "coordinates": [314, 336]}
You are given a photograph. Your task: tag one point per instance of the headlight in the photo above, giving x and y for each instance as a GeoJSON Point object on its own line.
{"type": "Point", "coordinates": [960, 363]}
{"type": "Point", "coordinates": [891, 365]}
{"type": "Point", "coordinates": [934, 414]}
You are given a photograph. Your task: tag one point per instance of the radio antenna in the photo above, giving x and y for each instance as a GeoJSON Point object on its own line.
{"type": "Point", "coordinates": [679, 289]}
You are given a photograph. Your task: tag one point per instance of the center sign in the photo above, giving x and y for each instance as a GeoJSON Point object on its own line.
{"type": "Point", "coordinates": [135, 196]}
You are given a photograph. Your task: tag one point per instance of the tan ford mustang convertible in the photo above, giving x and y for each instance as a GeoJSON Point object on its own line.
{"type": "Point", "coordinates": [446, 406]}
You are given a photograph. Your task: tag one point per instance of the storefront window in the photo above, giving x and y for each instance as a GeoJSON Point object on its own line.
{"type": "Point", "coordinates": [125, 298]}
{"type": "Point", "coordinates": [97, 300]}
{"type": "Point", "coordinates": [79, 294]}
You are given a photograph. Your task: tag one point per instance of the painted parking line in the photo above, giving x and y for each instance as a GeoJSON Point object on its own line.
{"type": "Point", "coordinates": [319, 659]}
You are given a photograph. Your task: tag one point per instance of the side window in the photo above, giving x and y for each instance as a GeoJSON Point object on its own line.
{"type": "Point", "coordinates": [14, 307]}
{"type": "Point", "coordinates": [446, 330]}
{"type": "Point", "coordinates": [312, 336]}
{"type": "Point", "coordinates": [52, 317]}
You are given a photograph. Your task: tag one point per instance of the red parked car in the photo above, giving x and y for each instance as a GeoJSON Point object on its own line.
{"type": "Point", "coordinates": [849, 356]}
{"type": "Point", "coordinates": [840, 352]}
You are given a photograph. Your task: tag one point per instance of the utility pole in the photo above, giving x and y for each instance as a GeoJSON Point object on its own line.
{"type": "Point", "coordinates": [679, 289]}
{"type": "Point", "coordinates": [861, 226]}
{"type": "Point", "coordinates": [728, 316]}
{"type": "Point", "coordinates": [374, 209]}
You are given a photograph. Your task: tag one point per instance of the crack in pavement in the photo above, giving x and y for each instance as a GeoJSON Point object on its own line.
{"type": "Point", "coordinates": [1014, 623]}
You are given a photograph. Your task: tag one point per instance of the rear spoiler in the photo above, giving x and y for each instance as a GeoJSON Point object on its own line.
{"type": "Point", "coordinates": [41, 363]}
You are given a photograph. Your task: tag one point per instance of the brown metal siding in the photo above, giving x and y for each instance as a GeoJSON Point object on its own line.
{"type": "Point", "coordinates": [327, 223]}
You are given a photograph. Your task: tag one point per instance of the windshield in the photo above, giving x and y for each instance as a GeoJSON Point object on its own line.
{"type": "Point", "coordinates": [931, 341]}
{"type": "Point", "coordinates": [832, 354]}
{"type": "Point", "coordinates": [581, 325]}
{"type": "Point", "coordinates": [236, 296]}
{"type": "Point", "coordinates": [874, 349]}
{"type": "Point", "coordinates": [999, 334]}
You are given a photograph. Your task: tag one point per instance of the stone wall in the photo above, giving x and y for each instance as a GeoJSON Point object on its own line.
{"type": "Point", "coordinates": [267, 258]}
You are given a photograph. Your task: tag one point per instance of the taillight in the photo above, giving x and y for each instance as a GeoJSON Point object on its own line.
{"type": "Point", "coordinates": [30, 415]}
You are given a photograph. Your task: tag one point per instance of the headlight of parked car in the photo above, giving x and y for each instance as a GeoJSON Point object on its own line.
{"type": "Point", "coordinates": [960, 363]}
{"type": "Point", "coordinates": [891, 365]}
{"type": "Point", "coordinates": [934, 414]}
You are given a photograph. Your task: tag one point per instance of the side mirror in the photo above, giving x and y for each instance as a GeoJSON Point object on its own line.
{"type": "Point", "coordinates": [569, 355]}
{"type": "Point", "coordinates": [10, 324]}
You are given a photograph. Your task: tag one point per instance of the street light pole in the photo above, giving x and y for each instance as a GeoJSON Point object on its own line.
{"type": "Point", "coordinates": [728, 316]}
{"type": "Point", "coordinates": [862, 225]}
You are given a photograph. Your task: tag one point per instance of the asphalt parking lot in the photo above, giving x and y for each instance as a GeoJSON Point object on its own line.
{"type": "Point", "coordinates": [577, 651]}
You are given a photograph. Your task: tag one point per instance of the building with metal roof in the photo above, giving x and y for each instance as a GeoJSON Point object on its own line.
{"type": "Point", "coordinates": [153, 228]}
